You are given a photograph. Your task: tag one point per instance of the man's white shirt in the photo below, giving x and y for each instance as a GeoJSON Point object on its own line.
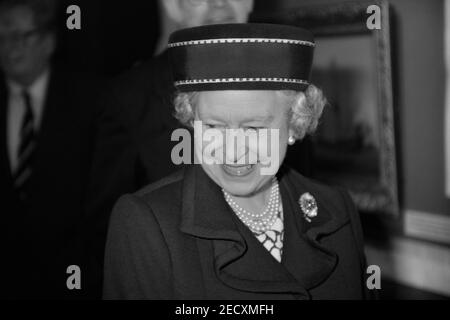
{"type": "Point", "coordinates": [16, 111]}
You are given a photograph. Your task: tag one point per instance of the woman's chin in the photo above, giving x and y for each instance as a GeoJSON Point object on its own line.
{"type": "Point", "coordinates": [240, 180]}
{"type": "Point", "coordinates": [238, 172]}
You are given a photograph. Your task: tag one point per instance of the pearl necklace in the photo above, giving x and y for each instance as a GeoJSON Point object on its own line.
{"type": "Point", "coordinates": [258, 222]}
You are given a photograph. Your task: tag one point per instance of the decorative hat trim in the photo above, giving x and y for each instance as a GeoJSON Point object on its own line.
{"type": "Point", "coordinates": [240, 40]}
{"type": "Point", "coordinates": [230, 80]}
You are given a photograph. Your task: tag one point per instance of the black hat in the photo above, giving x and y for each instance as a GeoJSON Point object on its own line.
{"type": "Point", "coordinates": [242, 56]}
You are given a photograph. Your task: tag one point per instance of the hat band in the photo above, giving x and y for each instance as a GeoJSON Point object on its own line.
{"type": "Point", "coordinates": [229, 64]}
{"type": "Point", "coordinates": [240, 40]}
{"type": "Point", "coordinates": [234, 80]}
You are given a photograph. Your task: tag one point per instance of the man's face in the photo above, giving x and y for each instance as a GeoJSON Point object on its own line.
{"type": "Point", "coordinates": [205, 12]}
{"type": "Point", "coordinates": [24, 51]}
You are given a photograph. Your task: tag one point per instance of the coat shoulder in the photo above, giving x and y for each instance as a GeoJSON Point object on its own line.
{"type": "Point", "coordinates": [153, 210]}
{"type": "Point", "coordinates": [164, 197]}
{"type": "Point", "coordinates": [162, 185]}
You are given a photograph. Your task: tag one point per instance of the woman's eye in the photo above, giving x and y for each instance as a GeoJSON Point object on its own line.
{"type": "Point", "coordinates": [213, 126]}
{"type": "Point", "coordinates": [254, 128]}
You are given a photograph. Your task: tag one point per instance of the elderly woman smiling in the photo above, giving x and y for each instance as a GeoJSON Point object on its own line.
{"type": "Point", "coordinates": [228, 229]}
{"type": "Point", "coordinates": [302, 111]}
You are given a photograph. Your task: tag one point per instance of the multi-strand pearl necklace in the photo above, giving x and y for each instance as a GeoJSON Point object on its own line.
{"type": "Point", "coordinates": [258, 222]}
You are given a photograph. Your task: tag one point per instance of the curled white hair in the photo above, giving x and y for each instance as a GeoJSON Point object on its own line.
{"type": "Point", "coordinates": [306, 109]}
{"type": "Point", "coordinates": [304, 112]}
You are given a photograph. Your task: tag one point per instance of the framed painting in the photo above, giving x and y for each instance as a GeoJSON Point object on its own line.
{"type": "Point", "coordinates": [355, 143]}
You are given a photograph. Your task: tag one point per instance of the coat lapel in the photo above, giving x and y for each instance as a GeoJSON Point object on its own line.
{"type": "Point", "coordinates": [309, 261]}
{"type": "Point", "coordinates": [240, 261]}
{"type": "Point", "coordinates": [50, 118]}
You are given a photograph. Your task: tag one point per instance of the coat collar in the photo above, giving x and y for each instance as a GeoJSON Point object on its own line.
{"type": "Point", "coordinates": [240, 261]}
{"type": "Point", "coordinates": [304, 255]}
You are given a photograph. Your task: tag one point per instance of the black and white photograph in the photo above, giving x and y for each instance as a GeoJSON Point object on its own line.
{"type": "Point", "coordinates": [211, 152]}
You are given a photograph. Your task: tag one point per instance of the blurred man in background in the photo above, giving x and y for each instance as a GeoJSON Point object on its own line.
{"type": "Point", "coordinates": [45, 135]}
{"type": "Point", "coordinates": [133, 146]}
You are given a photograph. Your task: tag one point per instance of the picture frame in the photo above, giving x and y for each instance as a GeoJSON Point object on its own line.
{"type": "Point", "coordinates": [355, 145]}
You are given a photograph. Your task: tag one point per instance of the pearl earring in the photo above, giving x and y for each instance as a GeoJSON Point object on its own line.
{"type": "Point", "coordinates": [291, 140]}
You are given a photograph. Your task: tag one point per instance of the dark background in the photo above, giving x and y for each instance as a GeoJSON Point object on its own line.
{"type": "Point", "coordinates": [113, 37]}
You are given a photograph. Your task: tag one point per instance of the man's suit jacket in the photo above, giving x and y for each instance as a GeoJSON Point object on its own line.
{"type": "Point", "coordinates": [37, 240]}
{"type": "Point", "coordinates": [178, 239]}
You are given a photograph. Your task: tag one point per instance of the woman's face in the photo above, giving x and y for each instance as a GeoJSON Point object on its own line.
{"type": "Point", "coordinates": [255, 112]}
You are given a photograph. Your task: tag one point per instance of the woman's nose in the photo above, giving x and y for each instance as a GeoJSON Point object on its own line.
{"type": "Point", "coordinates": [236, 149]}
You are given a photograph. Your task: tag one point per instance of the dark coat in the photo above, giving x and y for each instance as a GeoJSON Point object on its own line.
{"type": "Point", "coordinates": [178, 239]}
{"type": "Point", "coordinates": [36, 240]}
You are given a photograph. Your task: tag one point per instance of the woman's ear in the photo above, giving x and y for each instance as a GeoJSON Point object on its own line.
{"type": "Point", "coordinates": [291, 138]}
{"type": "Point", "coordinates": [173, 10]}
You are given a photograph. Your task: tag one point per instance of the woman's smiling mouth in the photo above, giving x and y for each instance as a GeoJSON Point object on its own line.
{"type": "Point", "coordinates": [238, 170]}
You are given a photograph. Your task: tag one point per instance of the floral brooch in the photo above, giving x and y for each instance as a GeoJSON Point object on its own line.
{"type": "Point", "coordinates": [308, 205]}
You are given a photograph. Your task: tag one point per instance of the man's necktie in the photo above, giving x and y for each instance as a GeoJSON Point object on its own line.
{"type": "Point", "coordinates": [22, 174]}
